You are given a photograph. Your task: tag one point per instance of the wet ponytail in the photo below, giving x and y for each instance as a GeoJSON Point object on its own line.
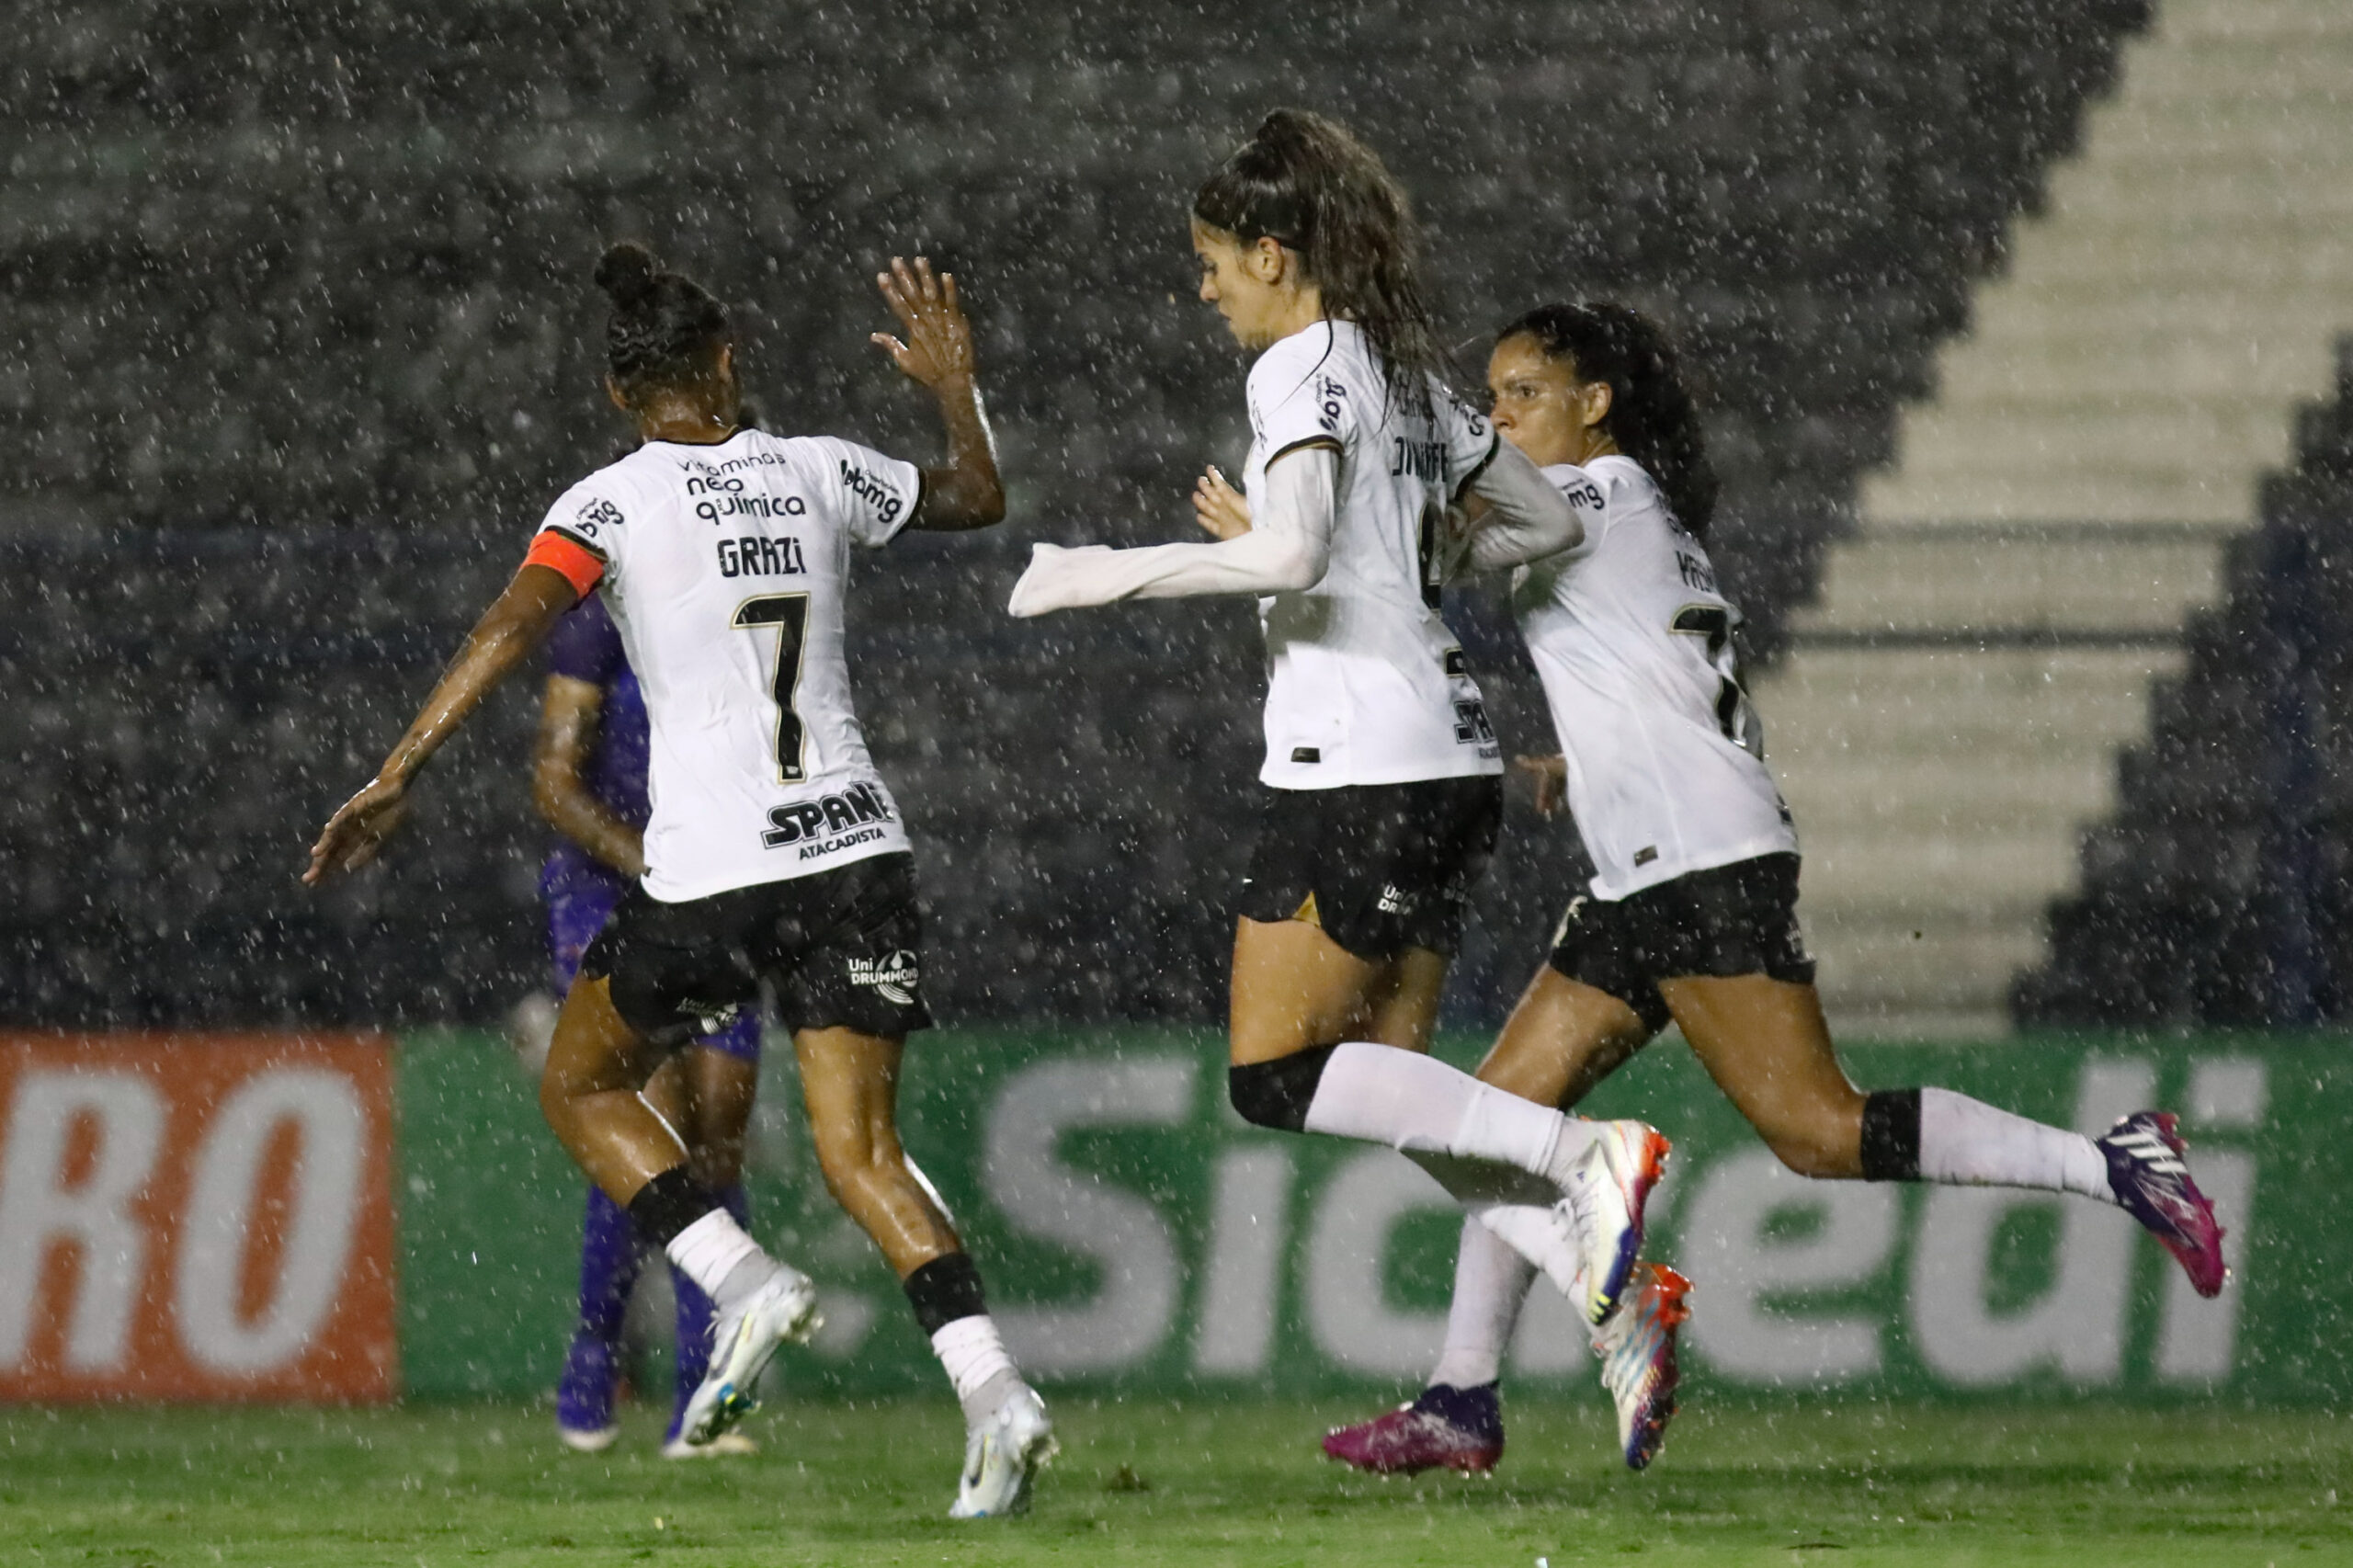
{"type": "Point", "coordinates": [1651, 417]}
{"type": "Point", "coordinates": [666, 330]}
{"type": "Point", "coordinates": [1305, 181]}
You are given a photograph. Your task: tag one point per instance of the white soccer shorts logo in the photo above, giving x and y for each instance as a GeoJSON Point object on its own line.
{"type": "Point", "coordinates": [894, 976]}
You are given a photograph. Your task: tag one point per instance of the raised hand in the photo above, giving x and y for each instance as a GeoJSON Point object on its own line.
{"type": "Point", "coordinates": [357, 832]}
{"type": "Point", "coordinates": [937, 350]}
{"type": "Point", "coordinates": [1550, 775]}
{"type": "Point", "coordinates": [1219, 506]}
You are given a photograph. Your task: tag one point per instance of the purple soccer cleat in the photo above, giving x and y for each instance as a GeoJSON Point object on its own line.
{"type": "Point", "coordinates": [1445, 1428]}
{"type": "Point", "coordinates": [2152, 1181]}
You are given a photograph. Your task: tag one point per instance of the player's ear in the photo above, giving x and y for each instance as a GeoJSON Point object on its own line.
{"type": "Point", "coordinates": [1594, 401]}
{"type": "Point", "coordinates": [613, 391]}
{"type": "Point", "coordinates": [1269, 261]}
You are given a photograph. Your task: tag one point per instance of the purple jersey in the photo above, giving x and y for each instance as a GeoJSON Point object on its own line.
{"type": "Point", "coordinates": [586, 645]}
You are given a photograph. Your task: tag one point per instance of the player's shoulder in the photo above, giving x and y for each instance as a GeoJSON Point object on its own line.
{"type": "Point", "coordinates": [1315, 360]}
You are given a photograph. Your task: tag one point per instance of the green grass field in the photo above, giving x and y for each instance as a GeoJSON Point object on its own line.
{"type": "Point", "coordinates": [1156, 1482]}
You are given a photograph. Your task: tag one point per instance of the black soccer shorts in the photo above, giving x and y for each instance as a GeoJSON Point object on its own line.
{"type": "Point", "coordinates": [843, 949]}
{"type": "Point", "coordinates": [1380, 867]}
{"type": "Point", "coordinates": [1728, 920]}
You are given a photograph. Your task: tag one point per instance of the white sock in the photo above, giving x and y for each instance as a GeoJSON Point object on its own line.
{"type": "Point", "coordinates": [1404, 1099]}
{"type": "Point", "coordinates": [1965, 1143]}
{"type": "Point", "coordinates": [1490, 1280]}
{"type": "Point", "coordinates": [974, 1355]}
{"type": "Point", "coordinates": [715, 1253]}
{"type": "Point", "coordinates": [1515, 1207]}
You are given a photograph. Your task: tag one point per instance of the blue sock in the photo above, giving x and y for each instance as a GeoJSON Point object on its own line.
{"type": "Point", "coordinates": [608, 1274]}
{"type": "Point", "coordinates": [695, 1314]}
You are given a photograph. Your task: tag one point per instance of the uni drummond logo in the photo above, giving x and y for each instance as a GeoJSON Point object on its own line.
{"type": "Point", "coordinates": [895, 975]}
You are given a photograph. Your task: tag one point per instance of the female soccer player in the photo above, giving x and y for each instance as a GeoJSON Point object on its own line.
{"type": "Point", "coordinates": [774, 852]}
{"type": "Point", "coordinates": [1692, 913]}
{"type": "Point", "coordinates": [1382, 776]}
{"type": "Point", "coordinates": [589, 781]}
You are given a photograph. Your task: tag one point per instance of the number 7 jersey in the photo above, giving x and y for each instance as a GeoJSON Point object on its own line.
{"type": "Point", "coordinates": [726, 568]}
{"type": "Point", "coordinates": [1632, 642]}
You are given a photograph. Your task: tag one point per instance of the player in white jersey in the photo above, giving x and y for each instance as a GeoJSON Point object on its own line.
{"type": "Point", "coordinates": [1691, 915]}
{"type": "Point", "coordinates": [774, 851]}
{"type": "Point", "coordinates": [1382, 779]}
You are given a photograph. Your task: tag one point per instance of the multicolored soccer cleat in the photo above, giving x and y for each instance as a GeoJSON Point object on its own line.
{"type": "Point", "coordinates": [1444, 1429]}
{"type": "Point", "coordinates": [1607, 1190]}
{"type": "Point", "coordinates": [1637, 1351]}
{"type": "Point", "coordinates": [2151, 1179]}
{"type": "Point", "coordinates": [782, 1312]}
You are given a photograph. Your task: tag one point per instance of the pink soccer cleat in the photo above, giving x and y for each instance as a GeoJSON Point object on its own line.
{"type": "Point", "coordinates": [2151, 1179]}
{"type": "Point", "coordinates": [1445, 1428]}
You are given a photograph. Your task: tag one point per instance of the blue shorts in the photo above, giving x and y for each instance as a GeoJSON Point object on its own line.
{"type": "Point", "coordinates": [577, 910]}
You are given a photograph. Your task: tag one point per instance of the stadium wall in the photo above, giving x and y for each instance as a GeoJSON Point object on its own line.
{"type": "Point", "coordinates": [1136, 1235]}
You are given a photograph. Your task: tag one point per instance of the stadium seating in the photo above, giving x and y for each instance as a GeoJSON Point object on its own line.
{"type": "Point", "coordinates": [2216, 894]}
{"type": "Point", "coordinates": [298, 344]}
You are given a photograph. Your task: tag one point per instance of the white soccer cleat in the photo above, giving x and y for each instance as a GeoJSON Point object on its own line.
{"type": "Point", "coordinates": [1002, 1458]}
{"type": "Point", "coordinates": [727, 1445]}
{"type": "Point", "coordinates": [588, 1440]}
{"type": "Point", "coordinates": [782, 1312]}
{"type": "Point", "coordinates": [1604, 1198]}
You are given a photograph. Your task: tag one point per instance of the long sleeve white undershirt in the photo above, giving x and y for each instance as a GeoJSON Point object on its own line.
{"type": "Point", "coordinates": [1287, 548]}
{"type": "Point", "coordinates": [1526, 518]}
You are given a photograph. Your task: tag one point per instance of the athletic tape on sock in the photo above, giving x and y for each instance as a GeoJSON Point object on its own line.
{"type": "Point", "coordinates": [972, 1352]}
{"type": "Point", "coordinates": [708, 1251]}
{"type": "Point", "coordinates": [945, 1290]}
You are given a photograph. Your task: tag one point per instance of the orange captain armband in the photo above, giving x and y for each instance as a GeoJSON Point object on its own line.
{"type": "Point", "coordinates": [575, 562]}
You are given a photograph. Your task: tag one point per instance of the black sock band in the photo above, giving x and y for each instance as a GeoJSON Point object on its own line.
{"type": "Point", "coordinates": [946, 1289]}
{"type": "Point", "coordinates": [669, 1204]}
{"type": "Point", "coordinates": [1892, 1135]}
{"type": "Point", "coordinates": [1276, 1094]}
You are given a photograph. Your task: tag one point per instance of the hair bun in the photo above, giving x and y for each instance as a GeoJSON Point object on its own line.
{"type": "Point", "coordinates": [626, 273]}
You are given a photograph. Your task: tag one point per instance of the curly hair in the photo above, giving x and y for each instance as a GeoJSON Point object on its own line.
{"type": "Point", "coordinates": [666, 330]}
{"type": "Point", "coordinates": [1652, 417]}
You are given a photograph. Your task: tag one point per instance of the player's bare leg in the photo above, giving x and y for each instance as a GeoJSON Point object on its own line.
{"type": "Point", "coordinates": [1562, 1192]}
{"type": "Point", "coordinates": [592, 1096]}
{"type": "Point", "coordinates": [1765, 1043]}
{"type": "Point", "coordinates": [718, 1112]}
{"type": "Point", "coordinates": [851, 1084]}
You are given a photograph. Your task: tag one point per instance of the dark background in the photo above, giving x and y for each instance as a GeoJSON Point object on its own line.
{"type": "Point", "coordinates": [299, 345]}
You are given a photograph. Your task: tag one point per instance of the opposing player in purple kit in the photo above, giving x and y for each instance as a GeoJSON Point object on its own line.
{"type": "Point", "coordinates": [589, 781]}
{"type": "Point", "coordinates": [1691, 915]}
{"type": "Point", "coordinates": [775, 854]}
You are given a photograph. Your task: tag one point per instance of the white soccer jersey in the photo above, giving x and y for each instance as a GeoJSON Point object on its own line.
{"type": "Point", "coordinates": [1364, 683]}
{"type": "Point", "coordinates": [726, 567]}
{"type": "Point", "coordinates": [1634, 644]}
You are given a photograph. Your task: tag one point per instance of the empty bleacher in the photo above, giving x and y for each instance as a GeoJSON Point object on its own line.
{"type": "Point", "coordinates": [2216, 893]}
{"type": "Point", "coordinates": [298, 342]}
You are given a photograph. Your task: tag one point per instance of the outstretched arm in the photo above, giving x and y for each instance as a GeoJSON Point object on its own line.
{"type": "Point", "coordinates": [937, 354]}
{"type": "Point", "coordinates": [518, 621]}
{"type": "Point", "coordinates": [1287, 549]}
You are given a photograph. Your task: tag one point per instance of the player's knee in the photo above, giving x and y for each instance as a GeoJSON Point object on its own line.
{"type": "Point", "coordinates": [1276, 1094]}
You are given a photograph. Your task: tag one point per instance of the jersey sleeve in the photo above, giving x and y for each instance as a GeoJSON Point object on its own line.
{"type": "Point", "coordinates": [874, 496]}
{"type": "Point", "coordinates": [581, 536]}
{"type": "Point", "coordinates": [1298, 399]}
{"type": "Point", "coordinates": [1583, 491]}
{"type": "Point", "coordinates": [1470, 438]}
{"type": "Point", "coordinates": [585, 645]}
